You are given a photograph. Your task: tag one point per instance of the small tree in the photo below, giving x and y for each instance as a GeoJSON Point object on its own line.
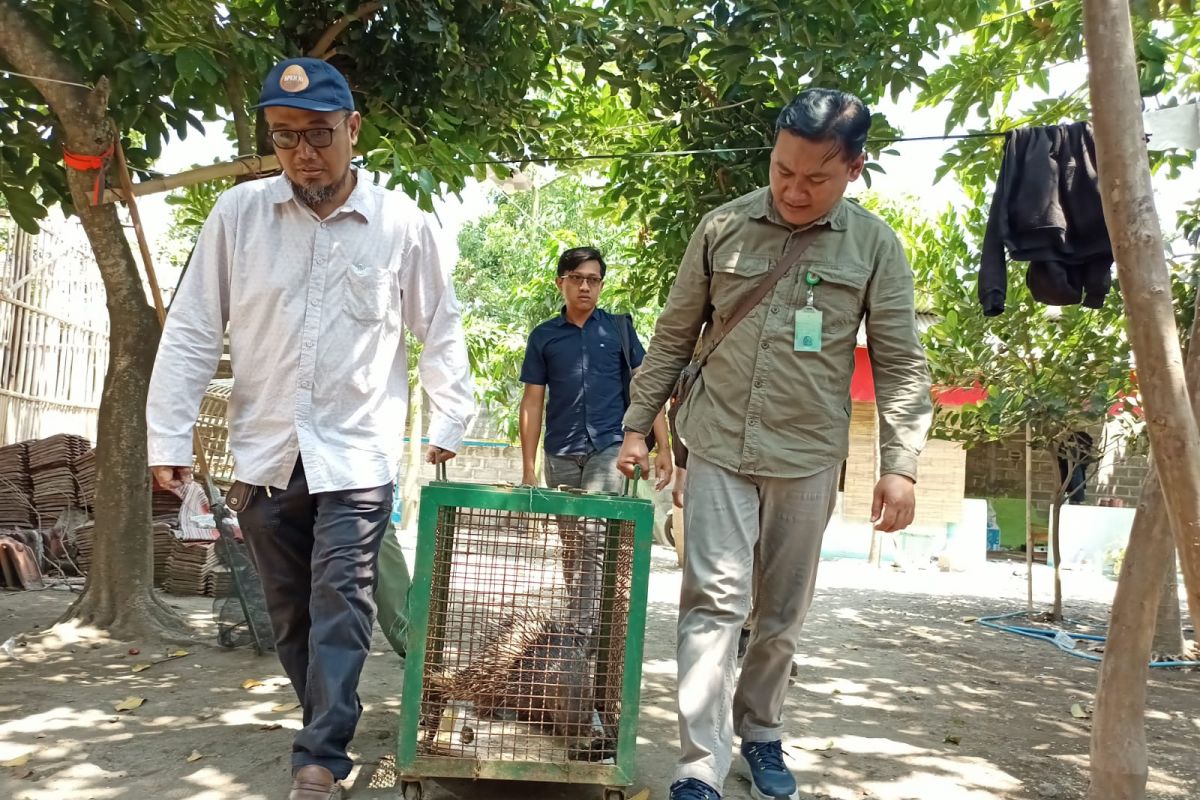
{"type": "Point", "coordinates": [506, 271]}
{"type": "Point", "coordinates": [441, 84]}
{"type": "Point", "coordinates": [1050, 373]}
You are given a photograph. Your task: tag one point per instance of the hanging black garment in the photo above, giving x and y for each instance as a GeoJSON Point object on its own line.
{"type": "Point", "coordinates": [1047, 211]}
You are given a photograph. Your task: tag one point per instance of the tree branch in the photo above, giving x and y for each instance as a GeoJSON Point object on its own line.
{"type": "Point", "coordinates": [236, 93]}
{"type": "Point", "coordinates": [322, 48]}
{"type": "Point", "coordinates": [27, 50]}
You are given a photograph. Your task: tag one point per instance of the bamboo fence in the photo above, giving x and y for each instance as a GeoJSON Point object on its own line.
{"type": "Point", "coordinates": [53, 333]}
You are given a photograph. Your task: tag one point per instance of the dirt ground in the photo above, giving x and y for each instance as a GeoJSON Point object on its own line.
{"type": "Point", "coordinates": [898, 698]}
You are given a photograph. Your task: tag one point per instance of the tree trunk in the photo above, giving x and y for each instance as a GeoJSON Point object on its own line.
{"type": "Point", "coordinates": [1145, 283]}
{"type": "Point", "coordinates": [1118, 747]}
{"type": "Point", "coordinates": [236, 93]}
{"type": "Point", "coordinates": [1168, 626]}
{"type": "Point", "coordinates": [118, 596]}
{"type": "Point", "coordinates": [1069, 452]}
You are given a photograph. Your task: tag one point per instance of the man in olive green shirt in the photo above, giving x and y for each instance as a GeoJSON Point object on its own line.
{"type": "Point", "coordinates": [767, 426]}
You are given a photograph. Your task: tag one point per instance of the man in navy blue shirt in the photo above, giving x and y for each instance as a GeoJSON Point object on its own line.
{"type": "Point", "coordinates": [577, 367]}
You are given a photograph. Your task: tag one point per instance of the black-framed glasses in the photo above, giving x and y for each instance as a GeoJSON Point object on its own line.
{"type": "Point", "coordinates": [284, 139]}
{"type": "Point", "coordinates": [580, 280]}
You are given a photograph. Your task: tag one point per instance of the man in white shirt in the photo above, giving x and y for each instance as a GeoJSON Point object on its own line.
{"type": "Point", "coordinates": [317, 273]}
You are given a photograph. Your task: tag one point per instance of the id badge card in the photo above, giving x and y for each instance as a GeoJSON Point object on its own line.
{"type": "Point", "coordinates": [808, 330]}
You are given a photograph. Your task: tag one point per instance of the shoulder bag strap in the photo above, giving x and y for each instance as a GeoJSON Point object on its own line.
{"type": "Point", "coordinates": [789, 260]}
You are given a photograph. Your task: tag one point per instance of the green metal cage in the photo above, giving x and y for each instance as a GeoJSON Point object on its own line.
{"type": "Point", "coordinates": [526, 628]}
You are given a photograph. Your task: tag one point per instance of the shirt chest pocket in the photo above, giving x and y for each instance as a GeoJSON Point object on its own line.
{"type": "Point", "coordinates": [841, 293]}
{"type": "Point", "coordinates": [735, 274]}
{"type": "Point", "coordinates": [368, 292]}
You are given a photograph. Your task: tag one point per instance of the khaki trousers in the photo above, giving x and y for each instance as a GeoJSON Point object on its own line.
{"type": "Point", "coordinates": [734, 522]}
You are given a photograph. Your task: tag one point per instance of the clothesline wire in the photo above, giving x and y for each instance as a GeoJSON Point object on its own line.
{"type": "Point", "coordinates": [700, 151]}
{"type": "Point", "coordinates": [988, 22]}
{"type": "Point", "coordinates": [48, 80]}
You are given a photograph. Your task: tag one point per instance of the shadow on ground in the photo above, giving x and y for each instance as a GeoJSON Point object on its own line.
{"type": "Point", "coordinates": [897, 698]}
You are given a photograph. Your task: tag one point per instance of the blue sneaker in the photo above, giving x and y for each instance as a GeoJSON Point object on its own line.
{"type": "Point", "coordinates": [770, 779]}
{"type": "Point", "coordinates": [693, 789]}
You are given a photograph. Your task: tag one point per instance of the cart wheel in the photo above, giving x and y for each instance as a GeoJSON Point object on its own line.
{"type": "Point", "coordinates": [614, 794]}
{"type": "Point", "coordinates": [669, 530]}
{"type": "Point", "coordinates": [410, 790]}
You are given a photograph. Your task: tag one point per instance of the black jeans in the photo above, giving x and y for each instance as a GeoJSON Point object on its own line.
{"type": "Point", "coordinates": [316, 555]}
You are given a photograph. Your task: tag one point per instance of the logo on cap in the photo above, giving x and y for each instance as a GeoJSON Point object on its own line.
{"type": "Point", "coordinates": [294, 79]}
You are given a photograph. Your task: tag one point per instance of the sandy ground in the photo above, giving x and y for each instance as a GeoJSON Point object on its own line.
{"type": "Point", "coordinates": [898, 698]}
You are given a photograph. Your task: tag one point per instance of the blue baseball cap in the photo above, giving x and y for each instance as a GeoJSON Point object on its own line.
{"type": "Point", "coordinates": [307, 83]}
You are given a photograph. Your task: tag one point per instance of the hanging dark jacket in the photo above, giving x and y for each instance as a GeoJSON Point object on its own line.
{"type": "Point", "coordinates": [1047, 211]}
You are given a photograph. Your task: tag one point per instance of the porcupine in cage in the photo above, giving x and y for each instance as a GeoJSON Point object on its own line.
{"type": "Point", "coordinates": [534, 669]}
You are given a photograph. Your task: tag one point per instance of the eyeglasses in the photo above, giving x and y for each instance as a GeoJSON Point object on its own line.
{"type": "Point", "coordinates": [316, 137]}
{"type": "Point", "coordinates": [580, 280]}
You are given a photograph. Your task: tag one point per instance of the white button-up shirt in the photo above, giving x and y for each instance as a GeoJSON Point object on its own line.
{"type": "Point", "coordinates": [316, 310]}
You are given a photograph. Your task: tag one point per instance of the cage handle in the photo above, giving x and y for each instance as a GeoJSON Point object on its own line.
{"type": "Point", "coordinates": [631, 484]}
{"type": "Point", "coordinates": [441, 471]}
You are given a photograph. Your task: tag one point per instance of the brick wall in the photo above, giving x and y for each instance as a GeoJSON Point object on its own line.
{"type": "Point", "coordinates": [997, 469]}
{"type": "Point", "coordinates": [486, 465]}
{"type": "Point", "coordinates": [862, 467]}
{"type": "Point", "coordinates": [941, 470]}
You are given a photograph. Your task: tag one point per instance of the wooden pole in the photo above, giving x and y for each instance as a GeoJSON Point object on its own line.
{"type": "Point", "coordinates": [245, 165]}
{"type": "Point", "coordinates": [127, 185]}
{"type": "Point", "coordinates": [1028, 518]}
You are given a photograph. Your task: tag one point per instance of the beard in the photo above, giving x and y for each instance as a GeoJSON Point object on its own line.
{"type": "Point", "coordinates": [313, 196]}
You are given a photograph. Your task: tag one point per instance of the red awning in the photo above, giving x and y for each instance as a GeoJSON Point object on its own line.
{"type": "Point", "coordinates": [862, 386]}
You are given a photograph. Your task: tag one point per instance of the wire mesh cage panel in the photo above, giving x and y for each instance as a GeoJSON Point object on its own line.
{"type": "Point", "coordinates": [528, 609]}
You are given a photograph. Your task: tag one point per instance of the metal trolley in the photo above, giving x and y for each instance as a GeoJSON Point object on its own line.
{"type": "Point", "coordinates": [527, 618]}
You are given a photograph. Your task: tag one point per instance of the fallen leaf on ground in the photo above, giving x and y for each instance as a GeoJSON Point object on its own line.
{"type": "Point", "coordinates": [24, 773]}
{"type": "Point", "coordinates": [644, 794]}
{"type": "Point", "coordinates": [205, 716]}
{"type": "Point", "coordinates": [250, 683]}
{"type": "Point", "coordinates": [952, 740]}
{"type": "Point", "coordinates": [129, 703]}
{"type": "Point", "coordinates": [826, 745]}
{"type": "Point", "coordinates": [195, 756]}
{"type": "Point", "coordinates": [970, 619]}
{"type": "Point", "coordinates": [274, 726]}
{"type": "Point", "coordinates": [19, 761]}
{"type": "Point", "coordinates": [141, 667]}
{"type": "Point", "coordinates": [133, 651]}
{"type": "Point", "coordinates": [1078, 712]}
{"type": "Point", "coordinates": [282, 707]}
{"type": "Point", "coordinates": [177, 654]}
